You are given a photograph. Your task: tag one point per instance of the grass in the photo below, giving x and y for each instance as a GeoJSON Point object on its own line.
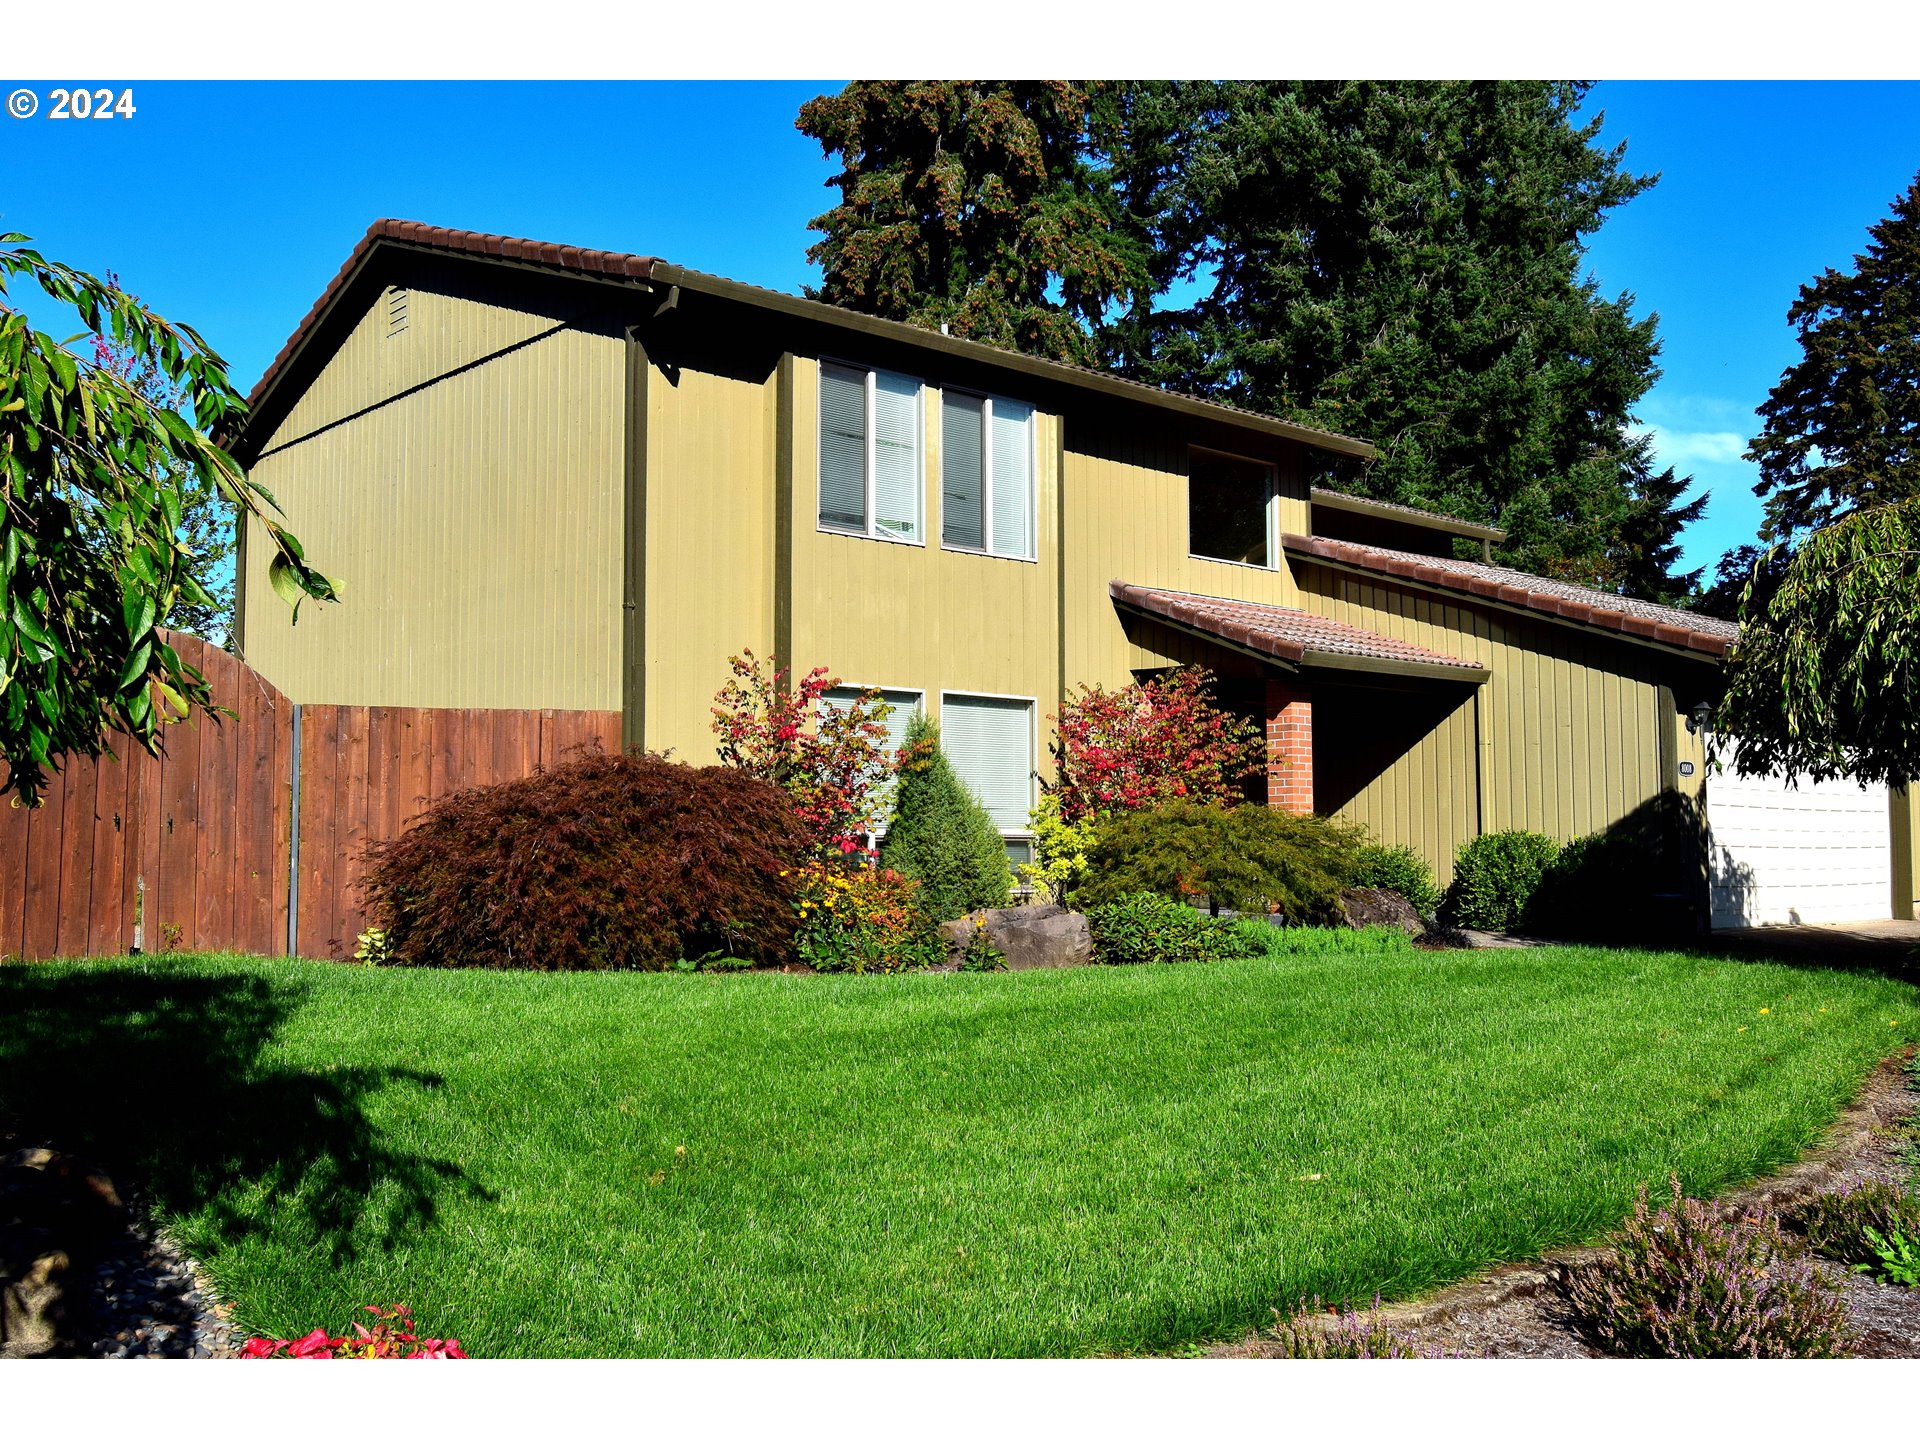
{"type": "Point", "coordinates": [1045, 1163]}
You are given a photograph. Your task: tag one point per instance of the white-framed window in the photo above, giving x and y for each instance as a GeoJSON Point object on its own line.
{"type": "Point", "coordinates": [986, 475]}
{"type": "Point", "coordinates": [1231, 510]}
{"type": "Point", "coordinates": [871, 474]}
{"type": "Point", "coordinates": [905, 703]}
{"type": "Point", "coordinates": [989, 740]}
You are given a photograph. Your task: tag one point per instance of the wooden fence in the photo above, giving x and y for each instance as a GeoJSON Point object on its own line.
{"type": "Point", "coordinates": [249, 818]}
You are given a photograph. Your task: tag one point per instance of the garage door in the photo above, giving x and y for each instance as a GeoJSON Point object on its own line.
{"type": "Point", "coordinates": [1817, 854]}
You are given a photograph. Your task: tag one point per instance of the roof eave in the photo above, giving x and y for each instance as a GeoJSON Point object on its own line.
{"type": "Point", "coordinates": [973, 350]}
{"type": "Point", "coordinates": [1405, 515]}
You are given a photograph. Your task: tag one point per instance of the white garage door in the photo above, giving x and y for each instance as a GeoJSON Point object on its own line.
{"type": "Point", "coordinates": [1818, 854]}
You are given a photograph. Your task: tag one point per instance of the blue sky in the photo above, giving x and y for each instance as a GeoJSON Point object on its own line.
{"type": "Point", "coordinates": [1762, 185]}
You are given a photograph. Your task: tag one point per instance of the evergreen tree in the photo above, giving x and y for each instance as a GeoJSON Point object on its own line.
{"type": "Point", "coordinates": [1646, 546]}
{"type": "Point", "coordinates": [941, 835]}
{"type": "Point", "coordinates": [1842, 428]}
{"type": "Point", "coordinates": [970, 205]}
{"type": "Point", "coordinates": [1399, 261]}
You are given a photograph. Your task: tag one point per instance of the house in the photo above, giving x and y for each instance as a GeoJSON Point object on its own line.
{"type": "Point", "coordinates": [548, 476]}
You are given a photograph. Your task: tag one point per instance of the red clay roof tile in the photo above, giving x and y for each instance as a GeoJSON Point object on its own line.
{"type": "Point", "coordinates": [1582, 604]}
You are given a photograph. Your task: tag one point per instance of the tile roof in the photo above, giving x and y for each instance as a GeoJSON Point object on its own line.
{"type": "Point", "coordinates": [1290, 635]}
{"type": "Point", "coordinates": [643, 267]}
{"type": "Point", "coordinates": [1583, 604]}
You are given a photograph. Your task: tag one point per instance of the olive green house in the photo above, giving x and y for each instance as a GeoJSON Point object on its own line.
{"type": "Point", "coordinates": [555, 477]}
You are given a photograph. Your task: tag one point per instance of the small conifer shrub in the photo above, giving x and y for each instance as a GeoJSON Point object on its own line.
{"type": "Point", "coordinates": [940, 835]}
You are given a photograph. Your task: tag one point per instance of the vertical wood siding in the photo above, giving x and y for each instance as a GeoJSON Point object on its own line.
{"type": "Point", "coordinates": [1571, 729]}
{"type": "Point", "coordinates": [709, 572]}
{"type": "Point", "coordinates": [921, 617]}
{"type": "Point", "coordinates": [474, 524]}
{"type": "Point", "coordinates": [1126, 519]}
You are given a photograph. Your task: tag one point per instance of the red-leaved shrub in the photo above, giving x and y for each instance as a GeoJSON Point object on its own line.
{"type": "Point", "coordinates": [609, 862]}
{"type": "Point", "coordinates": [392, 1337]}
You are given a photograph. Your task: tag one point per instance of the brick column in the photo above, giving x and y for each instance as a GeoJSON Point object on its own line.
{"type": "Point", "coordinates": [1290, 746]}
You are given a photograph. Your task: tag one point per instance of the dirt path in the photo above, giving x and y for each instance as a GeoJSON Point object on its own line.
{"type": "Point", "coordinates": [1515, 1311]}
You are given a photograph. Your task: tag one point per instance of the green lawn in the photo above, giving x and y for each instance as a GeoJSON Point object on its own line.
{"type": "Point", "coordinates": [1050, 1163]}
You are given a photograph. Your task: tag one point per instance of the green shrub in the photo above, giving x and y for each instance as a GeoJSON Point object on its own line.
{"type": "Point", "coordinates": [608, 862]}
{"type": "Point", "coordinates": [1688, 1282]}
{"type": "Point", "coordinates": [1148, 929]}
{"type": "Point", "coordinates": [940, 834]}
{"type": "Point", "coordinates": [1259, 937]}
{"type": "Point", "coordinates": [1250, 859]}
{"type": "Point", "coordinates": [1400, 869]}
{"type": "Point", "coordinates": [1059, 852]}
{"type": "Point", "coordinates": [1494, 876]}
{"type": "Point", "coordinates": [1601, 887]}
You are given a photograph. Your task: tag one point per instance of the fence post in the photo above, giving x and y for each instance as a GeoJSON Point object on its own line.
{"type": "Point", "coordinates": [293, 845]}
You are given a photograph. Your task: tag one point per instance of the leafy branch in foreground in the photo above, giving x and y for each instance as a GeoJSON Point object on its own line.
{"type": "Point", "coordinates": [93, 479]}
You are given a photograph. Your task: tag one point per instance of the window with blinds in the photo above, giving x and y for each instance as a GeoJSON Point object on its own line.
{"type": "Point", "coordinates": [986, 475]}
{"type": "Point", "coordinates": [989, 743]}
{"type": "Point", "coordinates": [870, 464]}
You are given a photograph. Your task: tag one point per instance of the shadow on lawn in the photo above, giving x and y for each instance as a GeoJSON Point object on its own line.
{"type": "Point", "coordinates": [168, 1081]}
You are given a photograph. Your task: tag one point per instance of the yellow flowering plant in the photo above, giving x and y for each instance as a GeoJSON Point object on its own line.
{"type": "Point", "coordinates": [861, 918]}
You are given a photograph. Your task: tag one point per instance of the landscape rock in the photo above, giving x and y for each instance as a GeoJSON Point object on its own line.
{"type": "Point", "coordinates": [33, 1292]}
{"type": "Point", "coordinates": [1030, 937]}
{"type": "Point", "coordinates": [1363, 906]}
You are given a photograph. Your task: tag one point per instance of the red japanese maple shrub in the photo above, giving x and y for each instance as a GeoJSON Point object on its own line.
{"type": "Point", "coordinates": [1152, 741]}
{"type": "Point", "coordinates": [829, 758]}
{"type": "Point", "coordinates": [606, 862]}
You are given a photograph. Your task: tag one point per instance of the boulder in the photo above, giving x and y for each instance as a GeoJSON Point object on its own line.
{"type": "Point", "coordinates": [33, 1292]}
{"type": "Point", "coordinates": [56, 1213]}
{"type": "Point", "coordinates": [1030, 937]}
{"type": "Point", "coordinates": [1363, 906]}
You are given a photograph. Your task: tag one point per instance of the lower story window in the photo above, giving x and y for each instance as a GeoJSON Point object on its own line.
{"type": "Point", "coordinates": [989, 741]}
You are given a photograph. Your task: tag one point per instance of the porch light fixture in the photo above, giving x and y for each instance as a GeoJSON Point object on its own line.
{"type": "Point", "coordinates": [1698, 717]}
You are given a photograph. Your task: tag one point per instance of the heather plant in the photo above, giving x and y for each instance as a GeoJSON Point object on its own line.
{"type": "Point", "coordinates": [1400, 869]}
{"type": "Point", "coordinates": [829, 759]}
{"type": "Point", "coordinates": [940, 835]}
{"type": "Point", "coordinates": [1836, 1222]}
{"type": "Point", "coordinates": [1151, 929]}
{"type": "Point", "coordinates": [1152, 741]}
{"type": "Point", "coordinates": [1249, 859]}
{"type": "Point", "coordinates": [606, 862]}
{"type": "Point", "coordinates": [862, 919]}
{"type": "Point", "coordinates": [1494, 877]}
{"type": "Point", "coordinates": [1311, 1333]}
{"type": "Point", "coordinates": [1688, 1282]}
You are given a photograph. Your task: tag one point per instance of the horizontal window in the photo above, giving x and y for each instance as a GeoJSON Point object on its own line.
{"type": "Point", "coordinates": [986, 475]}
{"type": "Point", "coordinates": [989, 742]}
{"type": "Point", "coordinates": [870, 453]}
{"type": "Point", "coordinates": [1229, 509]}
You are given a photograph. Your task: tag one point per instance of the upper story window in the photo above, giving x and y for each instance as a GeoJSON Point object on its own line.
{"type": "Point", "coordinates": [870, 467]}
{"type": "Point", "coordinates": [986, 474]}
{"type": "Point", "coordinates": [1230, 509]}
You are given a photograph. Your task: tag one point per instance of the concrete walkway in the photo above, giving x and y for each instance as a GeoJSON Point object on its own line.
{"type": "Point", "coordinates": [1890, 945]}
